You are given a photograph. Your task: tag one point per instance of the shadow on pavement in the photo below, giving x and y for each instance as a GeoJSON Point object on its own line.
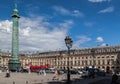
{"type": "Point", "coordinates": [80, 81]}
{"type": "Point", "coordinates": [55, 82]}
{"type": "Point", "coordinates": [103, 81]}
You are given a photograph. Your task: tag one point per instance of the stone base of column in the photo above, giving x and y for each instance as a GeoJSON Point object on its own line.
{"type": "Point", "coordinates": [14, 65]}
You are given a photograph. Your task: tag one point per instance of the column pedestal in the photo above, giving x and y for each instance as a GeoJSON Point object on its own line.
{"type": "Point", "coordinates": [14, 65]}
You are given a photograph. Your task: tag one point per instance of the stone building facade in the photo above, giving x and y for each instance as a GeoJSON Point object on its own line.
{"type": "Point", "coordinates": [106, 58]}
{"type": "Point", "coordinates": [4, 58]}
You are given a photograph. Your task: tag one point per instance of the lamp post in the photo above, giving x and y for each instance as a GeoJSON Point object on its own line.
{"type": "Point", "coordinates": [68, 42]}
{"type": "Point", "coordinates": [93, 52]}
{"type": "Point", "coordinates": [60, 58]}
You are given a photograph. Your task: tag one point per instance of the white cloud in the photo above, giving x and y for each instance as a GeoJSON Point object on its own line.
{"type": "Point", "coordinates": [96, 1]}
{"type": "Point", "coordinates": [107, 10]}
{"type": "Point", "coordinates": [26, 31]}
{"type": "Point", "coordinates": [99, 39]}
{"type": "Point", "coordinates": [81, 40]}
{"type": "Point", "coordinates": [61, 10]}
{"type": "Point", "coordinates": [77, 13]}
{"type": "Point", "coordinates": [5, 26]}
{"type": "Point", "coordinates": [5, 34]}
{"type": "Point", "coordinates": [89, 24]}
{"type": "Point", "coordinates": [35, 34]}
{"type": "Point", "coordinates": [65, 11]}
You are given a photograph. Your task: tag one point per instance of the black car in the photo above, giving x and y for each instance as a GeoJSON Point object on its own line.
{"type": "Point", "coordinates": [24, 70]}
{"type": "Point", "coordinates": [73, 71]}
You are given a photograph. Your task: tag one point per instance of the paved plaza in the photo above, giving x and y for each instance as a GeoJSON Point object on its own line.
{"type": "Point", "coordinates": [34, 78]}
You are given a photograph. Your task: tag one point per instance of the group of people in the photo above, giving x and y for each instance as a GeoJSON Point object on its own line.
{"type": "Point", "coordinates": [114, 79]}
{"type": "Point", "coordinates": [41, 72]}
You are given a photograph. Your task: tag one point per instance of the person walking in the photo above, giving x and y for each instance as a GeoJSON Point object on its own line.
{"type": "Point", "coordinates": [7, 74]}
{"type": "Point", "coordinates": [44, 72]}
{"type": "Point", "coordinates": [55, 75]}
{"type": "Point", "coordinates": [114, 79]}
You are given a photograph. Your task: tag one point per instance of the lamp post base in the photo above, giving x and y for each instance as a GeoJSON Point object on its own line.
{"type": "Point", "coordinates": [68, 78]}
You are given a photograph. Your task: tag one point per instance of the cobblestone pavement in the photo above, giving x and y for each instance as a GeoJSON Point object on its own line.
{"type": "Point", "coordinates": [33, 78]}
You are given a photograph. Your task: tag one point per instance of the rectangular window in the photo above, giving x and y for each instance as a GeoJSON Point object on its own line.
{"type": "Point", "coordinates": [75, 63]}
{"type": "Point", "coordinates": [90, 62]}
{"type": "Point", "coordinates": [94, 62]}
{"type": "Point", "coordinates": [79, 62]}
{"type": "Point", "coordinates": [86, 63]}
{"type": "Point", "coordinates": [82, 62]}
{"type": "Point", "coordinates": [112, 61]}
{"type": "Point", "coordinates": [103, 62]}
{"type": "Point", "coordinates": [98, 62]}
{"type": "Point", "coordinates": [108, 62]}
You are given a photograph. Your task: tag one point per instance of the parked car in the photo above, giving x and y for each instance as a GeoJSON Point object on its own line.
{"type": "Point", "coordinates": [97, 71]}
{"type": "Point", "coordinates": [60, 71]}
{"type": "Point", "coordinates": [73, 71]}
{"type": "Point", "coordinates": [80, 71]}
{"type": "Point", "coordinates": [84, 74]}
{"type": "Point", "coordinates": [24, 70]}
{"type": "Point", "coordinates": [50, 70]}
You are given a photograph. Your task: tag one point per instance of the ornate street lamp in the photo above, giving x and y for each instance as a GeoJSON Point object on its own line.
{"type": "Point", "coordinates": [68, 42]}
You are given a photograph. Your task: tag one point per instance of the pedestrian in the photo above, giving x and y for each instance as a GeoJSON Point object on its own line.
{"type": "Point", "coordinates": [40, 72]}
{"type": "Point", "coordinates": [114, 79]}
{"type": "Point", "coordinates": [7, 74]}
{"type": "Point", "coordinates": [44, 72]}
{"type": "Point", "coordinates": [64, 75]}
{"type": "Point", "coordinates": [55, 75]}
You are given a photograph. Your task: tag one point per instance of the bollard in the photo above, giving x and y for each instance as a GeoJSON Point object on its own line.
{"type": "Point", "coordinates": [13, 82]}
{"type": "Point", "coordinates": [41, 81]}
{"type": "Point", "coordinates": [35, 80]}
{"type": "Point", "coordinates": [26, 82]}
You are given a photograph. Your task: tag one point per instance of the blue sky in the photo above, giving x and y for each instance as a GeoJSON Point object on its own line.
{"type": "Point", "coordinates": [45, 23]}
